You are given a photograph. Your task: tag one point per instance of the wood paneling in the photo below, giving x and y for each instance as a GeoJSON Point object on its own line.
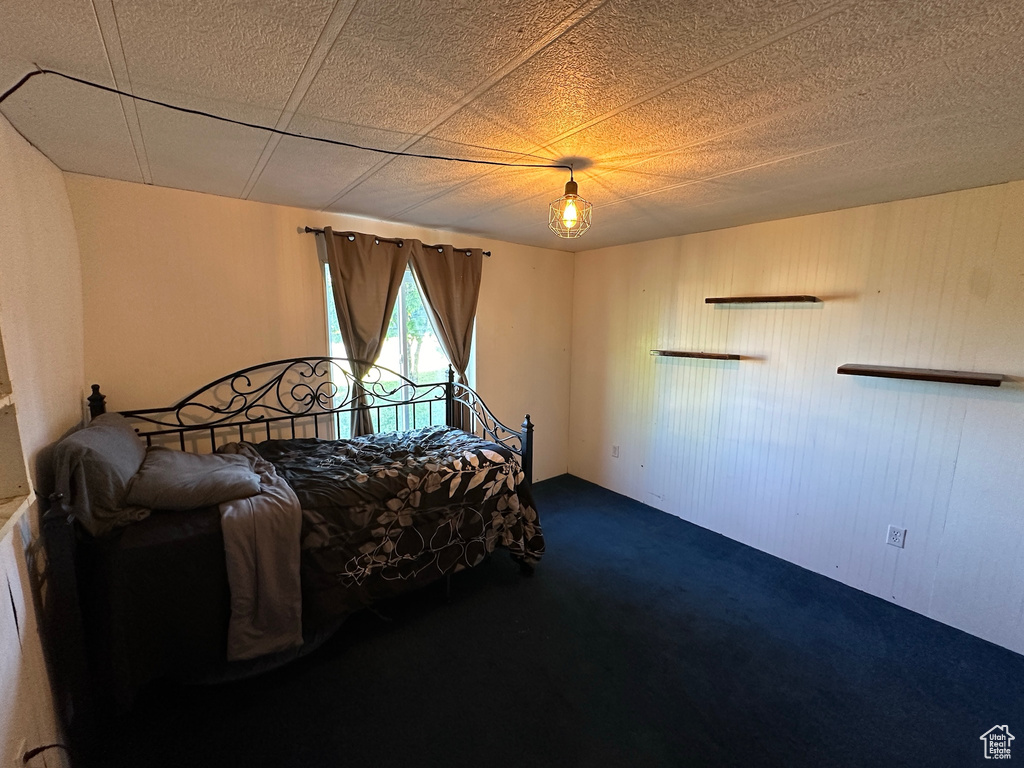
{"type": "Point", "coordinates": [781, 453]}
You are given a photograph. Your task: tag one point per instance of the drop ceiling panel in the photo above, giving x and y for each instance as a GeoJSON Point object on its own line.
{"type": "Point", "coordinates": [842, 177]}
{"type": "Point", "coordinates": [408, 182]}
{"type": "Point", "coordinates": [220, 54]}
{"type": "Point", "coordinates": [694, 208]}
{"type": "Point", "coordinates": [838, 59]}
{"type": "Point", "coordinates": [59, 34]}
{"type": "Point", "coordinates": [961, 90]}
{"type": "Point", "coordinates": [899, 164]}
{"type": "Point", "coordinates": [513, 201]}
{"type": "Point", "coordinates": [391, 193]}
{"type": "Point", "coordinates": [399, 65]}
{"type": "Point", "coordinates": [629, 50]}
{"type": "Point", "coordinates": [309, 175]}
{"type": "Point", "coordinates": [409, 205]}
{"type": "Point", "coordinates": [81, 130]}
{"type": "Point", "coordinates": [474, 133]}
{"type": "Point", "coordinates": [192, 152]}
{"type": "Point", "coordinates": [525, 222]}
{"type": "Point", "coordinates": [470, 135]}
{"type": "Point", "coordinates": [846, 189]}
{"type": "Point", "coordinates": [317, 171]}
{"type": "Point", "coordinates": [499, 188]}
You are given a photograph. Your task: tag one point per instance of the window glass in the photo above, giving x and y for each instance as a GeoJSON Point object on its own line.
{"type": "Point", "coordinates": [410, 348]}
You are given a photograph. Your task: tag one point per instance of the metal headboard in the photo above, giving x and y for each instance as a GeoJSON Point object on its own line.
{"type": "Point", "coordinates": [311, 397]}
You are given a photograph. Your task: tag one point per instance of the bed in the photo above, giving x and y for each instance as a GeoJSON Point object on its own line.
{"type": "Point", "coordinates": [150, 589]}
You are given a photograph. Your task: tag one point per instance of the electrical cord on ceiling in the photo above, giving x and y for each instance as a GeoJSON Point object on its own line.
{"type": "Point", "coordinates": [335, 142]}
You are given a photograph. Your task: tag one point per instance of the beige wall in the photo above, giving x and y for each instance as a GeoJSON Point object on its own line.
{"type": "Point", "coordinates": [40, 296]}
{"type": "Point", "coordinates": [779, 452]}
{"type": "Point", "coordinates": [182, 287]}
{"type": "Point", "coordinates": [41, 332]}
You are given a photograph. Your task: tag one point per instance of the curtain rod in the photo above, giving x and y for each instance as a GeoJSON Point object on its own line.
{"type": "Point", "coordinates": [396, 240]}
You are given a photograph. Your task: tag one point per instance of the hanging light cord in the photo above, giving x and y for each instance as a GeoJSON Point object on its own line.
{"type": "Point", "coordinates": [399, 153]}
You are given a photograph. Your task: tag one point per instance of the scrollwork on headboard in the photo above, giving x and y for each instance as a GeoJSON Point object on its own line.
{"type": "Point", "coordinates": [486, 424]}
{"type": "Point", "coordinates": [289, 388]}
{"type": "Point", "coordinates": [307, 397]}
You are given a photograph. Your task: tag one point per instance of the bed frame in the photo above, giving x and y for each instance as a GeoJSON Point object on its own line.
{"type": "Point", "coordinates": [294, 398]}
{"type": "Point", "coordinates": [312, 397]}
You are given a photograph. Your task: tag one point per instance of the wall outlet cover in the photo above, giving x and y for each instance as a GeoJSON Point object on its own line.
{"type": "Point", "coordinates": [896, 536]}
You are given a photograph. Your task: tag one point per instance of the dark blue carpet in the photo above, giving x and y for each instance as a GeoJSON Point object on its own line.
{"type": "Point", "coordinates": [642, 640]}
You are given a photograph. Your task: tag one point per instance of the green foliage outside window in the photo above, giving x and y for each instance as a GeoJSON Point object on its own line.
{"type": "Point", "coordinates": [418, 356]}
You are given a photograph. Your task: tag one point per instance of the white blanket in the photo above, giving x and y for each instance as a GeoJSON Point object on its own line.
{"type": "Point", "coordinates": [261, 547]}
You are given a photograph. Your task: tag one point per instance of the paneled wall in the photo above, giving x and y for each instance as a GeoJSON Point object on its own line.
{"type": "Point", "coordinates": [779, 452]}
{"type": "Point", "coordinates": [181, 288]}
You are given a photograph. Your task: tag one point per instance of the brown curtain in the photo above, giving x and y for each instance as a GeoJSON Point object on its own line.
{"type": "Point", "coordinates": [449, 280]}
{"type": "Point", "coordinates": [366, 275]}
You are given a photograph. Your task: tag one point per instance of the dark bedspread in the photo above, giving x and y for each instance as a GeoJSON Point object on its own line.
{"type": "Point", "coordinates": [383, 513]}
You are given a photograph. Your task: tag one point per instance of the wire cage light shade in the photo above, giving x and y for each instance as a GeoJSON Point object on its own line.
{"type": "Point", "coordinates": [569, 216]}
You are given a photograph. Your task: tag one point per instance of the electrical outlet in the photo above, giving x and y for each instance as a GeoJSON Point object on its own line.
{"type": "Point", "coordinates": [896, 536]}
{"type": "Point", "coordinates": [615, 451]}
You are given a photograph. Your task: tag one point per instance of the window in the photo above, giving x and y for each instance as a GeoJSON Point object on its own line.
{"type": "Point", "coordinates": [410, 348]}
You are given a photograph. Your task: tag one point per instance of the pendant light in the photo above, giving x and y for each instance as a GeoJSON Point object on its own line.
{"type": "Point", "coordinates": [569, 215]}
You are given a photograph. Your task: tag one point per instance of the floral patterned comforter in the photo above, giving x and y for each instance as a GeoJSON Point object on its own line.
{"type": "Point", "coordinates": [384, 513]}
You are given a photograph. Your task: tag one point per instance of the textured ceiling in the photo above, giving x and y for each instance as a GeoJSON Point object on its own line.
{"type": "Point", "coordinates": [681, 115]}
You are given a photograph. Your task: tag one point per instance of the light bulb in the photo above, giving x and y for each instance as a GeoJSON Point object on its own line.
{"type": "Point", "coordinates": [570, 215]}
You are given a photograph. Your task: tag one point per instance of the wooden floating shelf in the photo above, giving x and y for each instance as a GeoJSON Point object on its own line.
{"type": "Point", "coordinates": [696, 355]}
{"type": "Point", "coordinates": [923, 374]}
{"type": "Point", "coordinates": [762, 300]}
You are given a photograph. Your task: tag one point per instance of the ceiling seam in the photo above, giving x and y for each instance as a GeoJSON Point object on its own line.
{"type": "Point", "coordinates": [782, 34]}
{"type": "Point", "coordinates": [549, 37]}
{"type": "Point", "coordinates": [140, 145]}
{"type": "Point", "coordinates": [116, 60]}
{"type": "Point", "coordinates": [314, 62]}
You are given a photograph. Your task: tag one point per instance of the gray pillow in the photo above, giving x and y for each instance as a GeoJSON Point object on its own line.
{"type": "Point", "coordinates": [176, 480]}
{"type": "Point", "coordinates": [93, 467]}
